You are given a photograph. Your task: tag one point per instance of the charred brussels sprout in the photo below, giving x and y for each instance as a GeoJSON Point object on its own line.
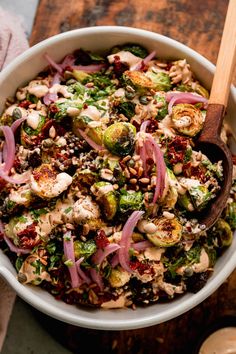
{"type": "Point", "coordinates": [82, 122]}
{"type": "Point", "coordinates": [139, 81]}
{"type": "Point", "coordinates": [84, 249]}
{"type": "Point", "coordinates": [106, 198]}
{"type": "Point", "coordinates": [28, 134]}
{"type": "Point", "coordinates": [162, 111]}
{"type": "Point", "coordinates": [187, 119]}
{"type": "Point", "coordinates": [161, 81]}
{"type": "Point", "coordinates": [130, 201]}
{"type": "Point", "coordinates": [222, 231]}
{"type": "Point", "coordinates": [118, 277]}
{"type": "Point", "coordinates": [230, 215]}
{"type": "Point", "coordinates": [119, 138]}
{"type": "Point", "coordinates": [185, 202]}
{"type": "Point", "coordinates": [200, 197]}
{"type": "Point", "coordinates": [169, 232]}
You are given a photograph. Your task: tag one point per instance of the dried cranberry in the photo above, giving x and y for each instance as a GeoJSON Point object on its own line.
{"type": "Point", "coordinates": [25, 104]}
{"type": "Point", "coordinates": [28, 236]}
{"type": "Point", "coordinates": [119, 67]}
{"type": "Point", "coordinates": [176, 149]}
{"type": "Point", "coordinates": [101, 239]}
{"type": "Point", "coordinates": [142, 268]}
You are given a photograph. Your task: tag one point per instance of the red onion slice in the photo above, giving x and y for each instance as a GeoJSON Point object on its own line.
{"type": "Point", "coordinates": [126, 239]}
{"type": "Point", "coordinates": [50, 98]}
{"type": "Point", "coordinates": [15, 125]}
{"type": "Point", "coordinates": [183, 97]}
{"type": "Point", "coordinates": [115, 260]}
{"type": "Point", "coordinates": [21, 180]}
{"type": "Point", "coordinates": [144, 125]}
{"type": "Point", "coordinates": [9, 148]}
{"type": "Point", "coordinates": [68, 246]}
{"type": "Point", "coordinates": [90, 141]}
{"type": "Point", "coordinates": [142, 245]}
{"type": "Point", "coordinates": [101, 254]}
{"type": "Point", "coordinates": [56, 66]}
{"type": "Point", "coordinates": [96, 277]}
{"type": "Point", "coordinates": [160, 167]}
{"type": "Point", "coordinates": [81, 273]}
{"type": "Point", "coordinates": [93, 68]}
{"type": "Point", "coordinates": [11, 245]}
{"type": "Point", "coordinates": [143, 62]}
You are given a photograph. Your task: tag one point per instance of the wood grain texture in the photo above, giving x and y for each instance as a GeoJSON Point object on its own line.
{"type": "Point", "coordinates": [199, 25]}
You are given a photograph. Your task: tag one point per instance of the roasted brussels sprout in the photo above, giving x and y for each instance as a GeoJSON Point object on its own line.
{"type": "Point", "coordinates": [82, 122]}
{"type": "Point", "coordinates": [185, 202]}
{"type": "Point", "coordinates": [139, 81]}
{"type": "Point", "coordinates": [171, 196]}
{"type": "Point", "coordinates": [119, 138]}
{"type": "Point", "coordinates": [187, 119]}
{"type": "Point", "coordinates": [162, 111]}
{"type": "Point", "coordinates": [200, 196]}
{"type": "Point", "coordinates": [84, 249]}
{"type": "Point", "coordinates": [106, 198]}
{"type": "Point", "coordinates": [230, 215]}
{"type": "Point", "coordinates": [130, 201]}
{"type": "Point", "coordinates": [222, 231]}
{"type": "Point", "coordinates": [201, 90]}
{"type": "Point", "coordinates": [31, 128]}
{"type": "Point", "coordinates": [169, 232]}
{"type": "Point", "coordinates": [118, 277]}
{"type": "Point", "coordinates": [85, 177]}
{"type": "Point", "coordinates": [47, 183]}
{"type": "Point", "coordinates": [160, 80]}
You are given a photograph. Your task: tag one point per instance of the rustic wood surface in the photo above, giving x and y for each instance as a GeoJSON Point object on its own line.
{"type": "Point", "coordinates": [199, 25]}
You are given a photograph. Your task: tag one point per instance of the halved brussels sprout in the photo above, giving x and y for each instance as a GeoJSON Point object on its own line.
{"type": "Point", "coordinates": [118, 277]}
{"type": "Point", "coordinates": [86, 177]}
{"type": "Point", "coordinates": [106, 198]}
{"type": "Point", "coordinates": [30, 135]}
{"type": "Point", "coordinates": [201, 90]}
{"type": "Point", "coordinates": [130, 201]}
{"type": "Point", "coordinates": [162, 111]}
{"type": "Point", "coordinates": [185, 202]}
{"type": "Point", "coordinates": [82, 122]}
{"type": "Point", "coordinates": [223, 232]}
{"type": "Point", "coordinates": [47, 183]}
{"type": "Point", "coordinates": [84, 249]}
{"type": "Point", "coordinates": [139, 81]}
{"type": "Point", "coordinates": [161, 80]}
{"type": "Point", "coordinates": [171, 196]}
{"type": "Point", "coordinates": [187, 119]}
{"type": "Point", "coordinates": [200, 196]}
{"type": "Point", "coordinates": [230, 215]}
{"type": "Point", "coordinates": [169, 232]}
{"type": "Point", "coordinates": [119, 138]}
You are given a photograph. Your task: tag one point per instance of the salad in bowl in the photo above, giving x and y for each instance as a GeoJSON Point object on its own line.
{"type": "Point", "coordinates": [102, 187]}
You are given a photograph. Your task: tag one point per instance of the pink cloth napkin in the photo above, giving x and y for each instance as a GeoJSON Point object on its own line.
{"type": "Point", "coordinates": [13, 41]}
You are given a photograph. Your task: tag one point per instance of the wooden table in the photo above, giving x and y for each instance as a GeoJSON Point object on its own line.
{"type": "Point", "coordinates": [199, 25]}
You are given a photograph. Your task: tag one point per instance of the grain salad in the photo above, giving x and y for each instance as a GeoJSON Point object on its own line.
{"type": "Point", "coordinates": [101, 185]}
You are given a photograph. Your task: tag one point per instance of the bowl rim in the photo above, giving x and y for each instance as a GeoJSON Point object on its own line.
{"type": "Point", "coordinates": [191, 300]}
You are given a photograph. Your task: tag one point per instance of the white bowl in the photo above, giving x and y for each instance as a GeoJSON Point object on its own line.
{"type": "Point", "coordinates": [98, 39]}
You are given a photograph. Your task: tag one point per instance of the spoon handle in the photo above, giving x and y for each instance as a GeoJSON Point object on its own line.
{"type": "Point", "coordinates": [222, 78]}
{"type": "Point", "coordinates": [226, 59]}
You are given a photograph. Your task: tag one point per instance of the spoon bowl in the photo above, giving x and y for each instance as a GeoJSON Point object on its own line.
{"type": "Point", "coordinates": [209, 141]}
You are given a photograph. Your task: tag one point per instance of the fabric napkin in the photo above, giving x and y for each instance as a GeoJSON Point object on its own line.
{"type": "Point", "coordinates": [13, 42]}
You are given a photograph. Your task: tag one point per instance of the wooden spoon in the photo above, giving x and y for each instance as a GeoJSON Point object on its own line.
{"type": "Point", "coordinates": [209, 141]}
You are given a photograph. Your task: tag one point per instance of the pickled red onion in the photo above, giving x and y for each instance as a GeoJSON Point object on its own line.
{"type": "Point", "coordinates": [68, 246]}
{"type": "Point", "coordinates": [81, 273]}
{"type": "Point", "coordinates": [144, 61]}
{"type": "Point", "coordinates": [142, 245]}
{"type": "Point", "coordinates": [126, 238]}
{"type": "Point", "coordinates": [97, 278]}
{"type": "Point", "coordinates": [56, 66]}
{"type": "Point", "coordinates": [10, 149]}
{"type": "Point", "coordinates": [93, 68]}
{"type": "Point", "coordinates": [101, 254]}
{"type": "Point", "coordinates": [15, 125]}
{"type": "Point", "coordinates": [183, 97]}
